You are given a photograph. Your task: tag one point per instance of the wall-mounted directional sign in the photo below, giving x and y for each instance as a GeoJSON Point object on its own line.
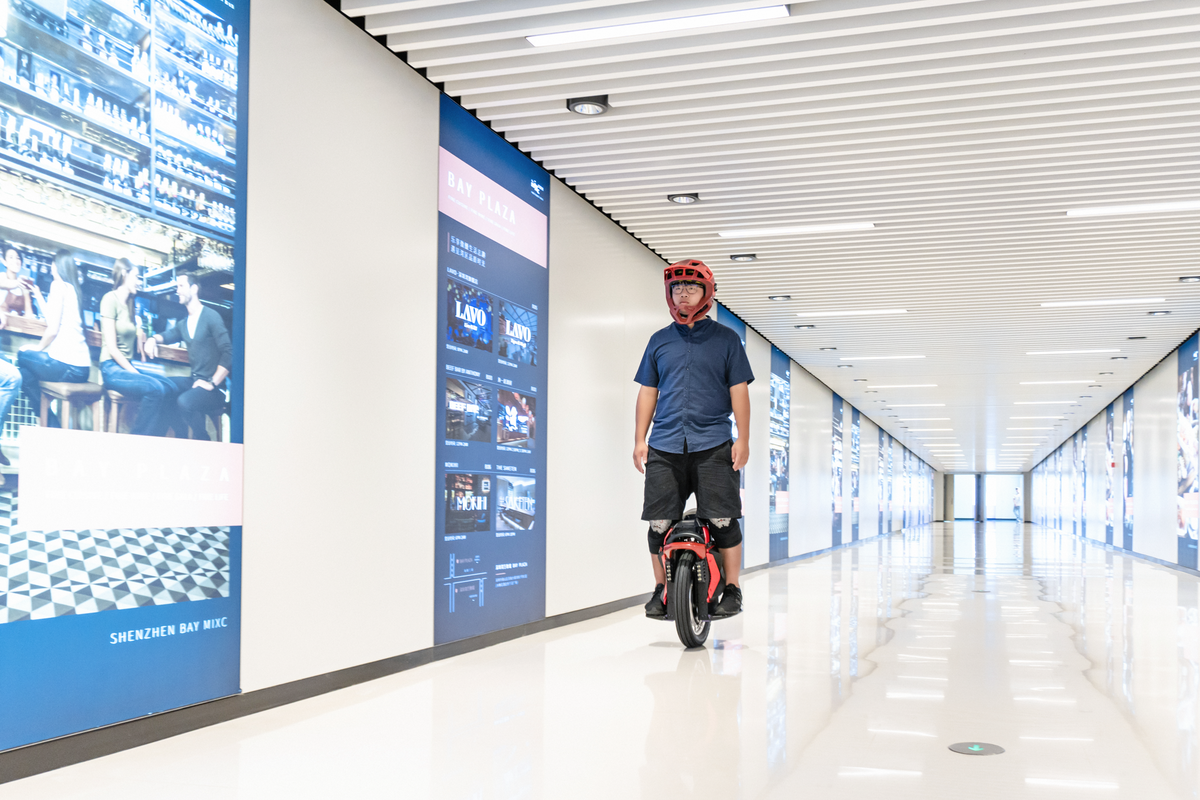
{"type": "Point", "coordinates": [977, 749]}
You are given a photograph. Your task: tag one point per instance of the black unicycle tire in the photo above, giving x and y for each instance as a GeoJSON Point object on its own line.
{"type": "Point", "coordinates": [692, 632]}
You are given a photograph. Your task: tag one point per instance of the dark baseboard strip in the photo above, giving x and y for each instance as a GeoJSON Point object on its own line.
{"type": "Point", "coordinates": [34, 759]}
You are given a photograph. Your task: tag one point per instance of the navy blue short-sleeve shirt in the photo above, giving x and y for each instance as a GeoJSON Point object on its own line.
{"type": "Point", "coordinates": [693, 369]}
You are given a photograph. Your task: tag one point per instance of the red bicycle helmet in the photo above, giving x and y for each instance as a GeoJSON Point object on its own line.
{"type": "Point", "coordinates": [690, 271]}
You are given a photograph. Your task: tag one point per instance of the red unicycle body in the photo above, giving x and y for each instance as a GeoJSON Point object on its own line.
{"type": "Point", "coordinates": [695, 578]}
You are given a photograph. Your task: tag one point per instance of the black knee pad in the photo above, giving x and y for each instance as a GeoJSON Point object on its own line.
{"type": "Point", "coordinates": [655, 539]}
{"type": "Point", "coordinates": [729, 536]}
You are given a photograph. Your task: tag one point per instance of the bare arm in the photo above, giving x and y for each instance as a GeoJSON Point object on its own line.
{"type": "Point", "coordinates": [739, 396]}
{"type": "Point", "coordinates": [647, 400]}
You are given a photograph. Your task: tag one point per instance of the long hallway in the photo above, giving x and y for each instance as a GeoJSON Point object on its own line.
{"type": "Point", "coordinates": [848, 676]}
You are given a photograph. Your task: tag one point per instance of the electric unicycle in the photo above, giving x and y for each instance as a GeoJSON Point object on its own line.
{"type": "Point", "coordinates": [695, 578]}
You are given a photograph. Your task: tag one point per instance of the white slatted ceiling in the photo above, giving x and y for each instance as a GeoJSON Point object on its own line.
{"type": "Point", "coordinates": [963, 129]}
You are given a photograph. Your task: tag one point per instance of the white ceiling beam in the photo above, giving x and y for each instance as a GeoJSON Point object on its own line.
{"type": "Point", "coordinates": [422, 30]}
{"type": "Point", "coordinates": [1104, 148]}
{"type": "Point", "coordinates": [798, 122]}
{"type": "Point", "coordinates": [1081, 90]}
{"type": "Point", "coordinates": [954, 69]}
{"type": "Point", "coordinates": [814, 20]}
{"type": "Point", "coordinates": [359, 8]}
{"type": "Point", "coordinates": [877, 49]}
{"type": "Point", "coordinates": [783, 36]}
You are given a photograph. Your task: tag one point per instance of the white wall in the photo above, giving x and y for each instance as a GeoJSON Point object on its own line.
{"type": "Point", "coordinates": [810, 522]}
{"type": "Point", "coordinates": [1155, 483]}
{"type": "Point", "coordinates": [594, 494]}
{"type": "Point", "coordinates": [756, 504]}
{"type": "Point", "coordinates": [340, 410]}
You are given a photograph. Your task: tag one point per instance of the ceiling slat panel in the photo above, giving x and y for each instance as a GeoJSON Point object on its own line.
{"type": "Point", "coordinates": [963, 129]}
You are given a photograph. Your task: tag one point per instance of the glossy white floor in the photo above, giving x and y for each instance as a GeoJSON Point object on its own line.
{"type": "Point", "coordinates": [847, 677]}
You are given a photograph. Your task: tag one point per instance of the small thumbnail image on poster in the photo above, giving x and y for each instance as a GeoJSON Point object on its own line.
{"type": "Point", "coordinates": [467, 506]}
{"type": "Point", "coordinates": [518, 425]}
{"type": "Point", "coordinates": [515, 503]}
{"type": "Point", "coordinates": [469, 411]}
{"type": "Point", "coordinates": [468, 316]}
{"type": "Point", "coordinates": [517, 334]}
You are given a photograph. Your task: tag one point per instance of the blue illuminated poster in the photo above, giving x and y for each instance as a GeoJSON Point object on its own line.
{"type": "Point", "coordinates": [839, 415]}
{"type": "Point", "coordinates": [1127, 463]}
{"type": "Point", "coordinates": [883, 437]}
{"type": "Point", "coordinates": [1083, 481]}
{"type": "Point", "coordinates": [1189, 452]}
{"type": "Point", "coordinates": [727, 318]}
{"type": "Point", "coordinates": [780, 444]}
{"type": "Point", "coordinates": [122, 208]}
{"type": "Point", "coordinates": [1109, 467]}
{"type": "Point", "coordinates": [493, 230]}
{"type": "Point", "coordinates": [855, 450]}
{"type": "Point", "coordinates": [890, 483]}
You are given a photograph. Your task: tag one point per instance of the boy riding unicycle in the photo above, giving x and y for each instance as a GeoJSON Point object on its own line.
{"type": "Point", "coordinates": [693, 375]}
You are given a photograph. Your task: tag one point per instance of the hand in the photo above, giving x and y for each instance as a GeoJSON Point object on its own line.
{"type": "Point", "coordinates": [202, 384]}
{"type": "Point", "coordinates": [151, 348]}
{"type": "Point", "coordinates": [641, 452]}
{"type": "Point", "coordinates": [741, 452]}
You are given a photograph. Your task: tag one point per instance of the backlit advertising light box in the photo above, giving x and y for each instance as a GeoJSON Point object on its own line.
{"type": "Point", "coordinates": [122, 196]}
{"type": "Point", "coordinates": [490, 534]}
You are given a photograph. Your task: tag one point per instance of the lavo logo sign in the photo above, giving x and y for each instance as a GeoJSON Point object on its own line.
{"type": "Point", "coordinates": [472, 314]}
{"type": "Point", "coordinates": [518, 331]}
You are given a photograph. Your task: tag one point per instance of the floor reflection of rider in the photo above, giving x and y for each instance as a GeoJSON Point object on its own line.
{"type": "Point", "coordinates": [699, 705]}
{"type": "Point", "coordinates": [693, 375]}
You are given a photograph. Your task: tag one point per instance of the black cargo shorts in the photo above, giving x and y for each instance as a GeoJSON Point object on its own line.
{"type": "Point", "coordinates": [672, 477]}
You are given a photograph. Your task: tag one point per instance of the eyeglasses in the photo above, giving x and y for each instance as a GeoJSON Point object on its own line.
{"type": "Point", "coordinates": [690, 289]}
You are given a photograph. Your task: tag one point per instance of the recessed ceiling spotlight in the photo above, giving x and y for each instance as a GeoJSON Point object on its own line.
{"type": "Point", "coordinates": [589, 106]}
{"type": "Point", "coordinates": [872, 392]}
{"type": "Point", "coordinates": [779, 297]}
{"type": "Point", "coordinates": [1095, 386]}
{"type": "Point", "coordinates": [861, 380]}
{"type": "Point", "coordinates": [805, 327]}
{"type": "Point", "coordinates": [1159, 313]}
{"type": "Point", "coordinates": [1085, 397]}
{"type": "Point", "coordinates": [1132, 339]}
{"type": "Point", "coordinates": [1120, 358]}
{"type": "Point", "coordinates": [845, 366]}
{"type": "Point", "coordinates": [823, 348]}
{"type": "Point", "coordinates": [684, 199]}
{"type": "Point", "coordinates": [1106, 373]}
{"type": "Point", "coordinates": [744, 257]}
{"type": "Point", "coordinates": [1190, 279]}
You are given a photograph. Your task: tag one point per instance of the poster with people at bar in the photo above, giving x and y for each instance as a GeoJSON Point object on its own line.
{"type": "Point", "coordinates": [122, 181]}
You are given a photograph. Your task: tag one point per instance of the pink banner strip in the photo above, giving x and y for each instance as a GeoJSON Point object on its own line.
{"type": "Point", "coordinates": [75, 480]}
{"type": "Point", "coordinates": [467, 195]}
